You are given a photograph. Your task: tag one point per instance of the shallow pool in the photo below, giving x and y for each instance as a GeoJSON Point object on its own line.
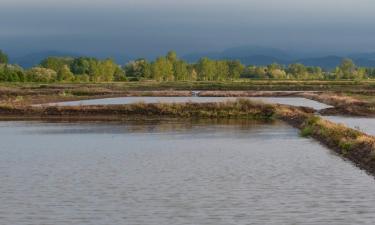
{"type": "Point", "coordinates": [176, 172]}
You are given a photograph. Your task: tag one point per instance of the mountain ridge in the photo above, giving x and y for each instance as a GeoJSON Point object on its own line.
{"type": "Point", "coordinates": [259, 56]}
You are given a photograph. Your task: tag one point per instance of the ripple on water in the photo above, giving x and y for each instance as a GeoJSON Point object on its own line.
{"type": "Point", "coordinates": [294, 101]}
{"type": "Point", "coordinates": [203, 173]}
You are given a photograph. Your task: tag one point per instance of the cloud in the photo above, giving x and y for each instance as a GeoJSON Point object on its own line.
{"type": "Point", "coordinates": [155, 26]}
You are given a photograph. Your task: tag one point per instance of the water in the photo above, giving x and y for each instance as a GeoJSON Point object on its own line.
{"type": "Point", "coordinates": [363, 124]}
{"type": "Point", "coordinates": [176, 173]}
{"type": "Point", "coordinates": [294, 101]}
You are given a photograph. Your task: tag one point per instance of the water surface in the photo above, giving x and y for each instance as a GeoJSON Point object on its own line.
{"type": "Point", "coordinates": [363, 124]}
{"type": "Point", "coordinates": [294, 101]}
{"type": "Point", "coordinates": [176, 173]}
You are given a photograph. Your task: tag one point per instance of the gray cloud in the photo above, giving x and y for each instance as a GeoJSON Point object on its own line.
{"type": "Point", "coordinates": [151, 27]}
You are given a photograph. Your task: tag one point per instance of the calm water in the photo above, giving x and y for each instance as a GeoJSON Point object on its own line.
{"type": "Point", "coordinates": [175, 173]}
{"type": "Point", "coordinates": [295, 101]}
{"type": "Point", "coordinates": [364, 124]}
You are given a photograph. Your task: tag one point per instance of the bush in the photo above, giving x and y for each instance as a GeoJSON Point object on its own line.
{"type": "Point", "coordinates": [306, 132]}
{"type": "Point", "coordinates": [38, 74]}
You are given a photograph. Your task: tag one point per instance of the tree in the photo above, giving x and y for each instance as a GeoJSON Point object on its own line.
{"type": "Point", "coordinates": [11, 73]}
{"type": "Point", "coordinates": [119, 75]}
{"type": "Point", "coordinates": [107, 69]}
{"type": "Point", "coordinates": [97, 70]}
{"type": "Point", "coordinates": [235, 69]}
{"type": "Point", "coordinates": [206, 69]}
{"type": "Point", "coordinates": [81, 65]}
{"type": "Point", "coordinates": [162, 70]}
{"type": "Point", "coordinates": [39, 74]}
{"type": "Point", "coordinates": [222, 71]}
{"type": "Point", "coordinates": [181, 71]}
{"type": "Point", "coordinates": [256, 72]}
{"type": "Point", "coordinates": [56, 63]}
{"type": "Point", "coordinates": [297, 71]}
{"type": "Point", "coordinates": [3, 57]}
{"type": "Point", "coordinates": [315, 72]}
{"type": "Point", "coordinates": [64, 74]}
{"type": "Point", "coordinates": [172, 56]}
{"type": "Point", "coordinates": [193, 75]}
{"type": "Point", "coordinates": [139, 69]}
{"type": "Point", "coordinates": [276, 73]}
{"type": "Point", "coordinates": [346, 69]}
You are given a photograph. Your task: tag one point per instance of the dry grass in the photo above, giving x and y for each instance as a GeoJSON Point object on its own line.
{"type": "Point", "coordinates": [233, 109]}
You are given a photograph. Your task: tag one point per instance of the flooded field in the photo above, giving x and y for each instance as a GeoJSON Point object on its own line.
{"type": "Point", "coordinates": [169, 172]}
{"type": "Point", "coordinates": [294, 101]}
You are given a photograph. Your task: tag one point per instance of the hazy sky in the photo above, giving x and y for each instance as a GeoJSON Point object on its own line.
{"type": "Point", "coordinates": [151, 27]}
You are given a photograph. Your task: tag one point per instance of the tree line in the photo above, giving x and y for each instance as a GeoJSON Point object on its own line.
{"type": "Point", "coordinates": [168, 68]}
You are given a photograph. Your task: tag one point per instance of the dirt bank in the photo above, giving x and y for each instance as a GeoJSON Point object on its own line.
{"type": "Point", "coordinates": [234, 109]}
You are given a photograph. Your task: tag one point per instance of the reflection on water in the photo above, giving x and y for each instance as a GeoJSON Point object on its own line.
{"type": "Point", "coordinates": [295, 101]}
{"type": "Point", "coordinates": [366, 125]}
{"type": "Point", "coordinates": [171, 172]}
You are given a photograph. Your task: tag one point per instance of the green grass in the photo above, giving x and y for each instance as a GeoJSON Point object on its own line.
{"type": "Point", "coordinates": [306, 132]}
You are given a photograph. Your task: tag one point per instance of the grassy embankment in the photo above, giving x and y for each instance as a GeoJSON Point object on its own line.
{"type": "Point", "coordinates": [354, 145]}
{"type": "Point", "coordinates": [237, 109]}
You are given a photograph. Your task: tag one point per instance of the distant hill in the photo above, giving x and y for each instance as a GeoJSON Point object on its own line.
{"type": "Point", "coordinates": [368, 56]}
{"type": "Point", "coordinates": [33, 59]}
{"type": "Point", "coordinates": [246, 51]}
{"type": "Point", "coordinates": [330, 62]}
{"type": "Point", "coordinates": [261, 56]}
{"type": "Point", "coordinates": [327, 62]}
{"type": "Point", "coordinates": [248, 55]}
{"type": "Point", "coordinates": [260, 60]}
{"type": "Point", "coordinates": [243, 53]}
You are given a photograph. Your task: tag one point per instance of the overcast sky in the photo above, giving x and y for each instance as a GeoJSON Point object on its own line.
{"type": "Point", "coordinates": [152, 27]}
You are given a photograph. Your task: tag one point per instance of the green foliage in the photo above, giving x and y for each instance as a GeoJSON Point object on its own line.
{"type": "Point", "coordinates": [39, 74]}
{"type": "Point", "coordinates": [306, 132]}
{"type": "Point", "coordinates": [206, 69]}
{"type": "Point", "coordinates": [346, 146]}
{"type": "Point", "coordinates": [172, 56]}
{"type": "Point", "coordinates": [64, 74]}
{"type": "Point", "coordinates": [139, 69]}
{"type": "Point", "coordinates": [171, 68]}
{"type": "Point", "coordinates": [235, 69]}
{"type": "Point", "coordinates": [96, 70]}
{"type": "Point", "coordinates": [56, 63]}
{"type": "Point", "coordinates": [222, 71]}
{"type": "Point", "coordinates": [119, 75]}
{"type": "Point", "coordinates": [82, 65]}
{"type": "Point", "coordinates": [11, 73]}
{"type": "Point", "coordinates": [162, 70]}
{"type": "Point", "coordinates": [3, 57]}
{"type": "Point", "coordinates": [181, 71]}
{"type": "Point", "coordinates": [348, 70]}
{"type": "Point", "coordinates": [276, 71]}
